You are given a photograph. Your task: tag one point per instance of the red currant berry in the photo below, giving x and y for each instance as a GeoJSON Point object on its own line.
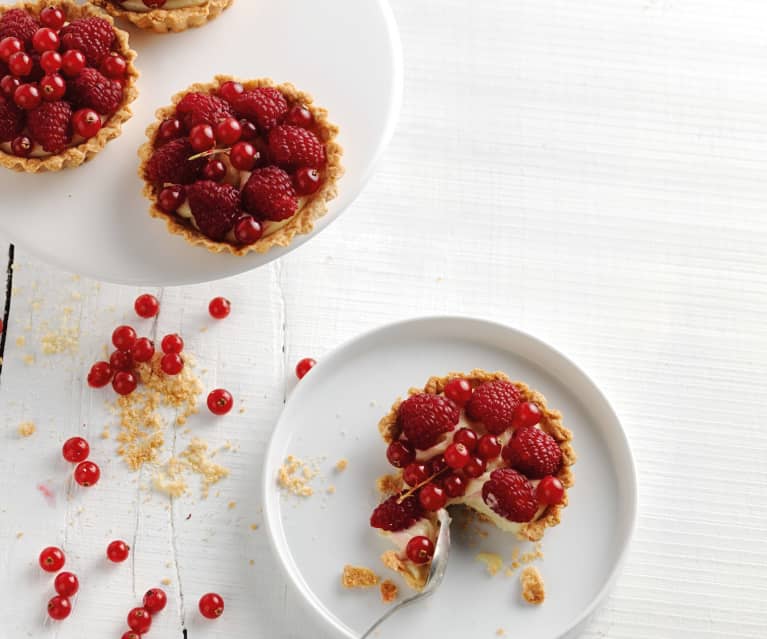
{"type": "Point", "coordinates": [219, 307]}
{"type": "Point", "coordinates": [247, 230]}
{"type": "Point", "coordinates": [432, 497]}
{"type": "Point", "coordinates": [87, 473]}
{"type": "Point", "coordinates": [211, 606]}
{"type": "Point", "coordinates": [304, 366]}
{"type": "Point", "coordinates": [228, 131]}
{"type": "Point", "coordinates": [307, 181]}
{"type": "Point", "coordinates": [129, 634]}
{"type": "Point", "coordinates": [457, 456]}
{"type": "Point", "coordinates": [202, 137]}
{"type": "Point", "coordinates": [122, 361]}
{"type": "Point", "coordinates": [20, 64]}
{"type": "Point", "coordinates": [143, 350]}
{"type": "Point", "coordinates": [146, 306]}
{"type": "Point", "coordinates": [172, 343]}
{"type": "Point", "coordinates": [59, 608]}
{"type": "Point", "coordinates": [459, 390]}
{"type": "Point", "coordinates": [415, 473]}
{"type": "Point", "coordinates": [249, 131]}
{"type": "Point", "coordinates": [72, 63]}
{"type": "Point", "coordinates": [9, 84]}
{"type": "Point", "coordinates": [53, 87]}
{"type": "Point", "coordinates": [114, 66]}
{"type": "Point", "coordinates": [171, 198]}
{"type": "Point", "coordinates": [214, 170]}
{"type": "Point", "coordinates": [437, 464]}
{"type": "Point", "coordinates": [8, 47]}
{"type": "Point", "coordinates": [27, 97]}
{"type": "Point", "coordinates": [419, 549]}
{"type": "Point", "coordinates": [21, 146]}
{"type": "Point", "coordinates": [526, 414]}
{"type": "Point", "coordinates": [52, 17]}
{"type": "Point", "coordinates": [50, 62]}
{"type": "Point", "coordinates": [230, 91]}
{"type": "Point", "coordinates": [118, 551]}
{"type": "Point", "coordinates": [220, 401]}
{"type": "Point", "coordinates": [475, 467]}
{"type": "Point", "coordinates": [155, 600]}
{"type": "Point", "coordinates": [124, 382]}
{"type": "Point", "coordinates": [550, 491]}
{"type": "Point", "coordinates": [45, 39]}
{"type": "Point", "coordinates": [86, 123]}
{"type": "Point", "coordinates": [171, 364]}
{"type": "Point", "coordinates": [75, 450]}
{"type": "Point", "coordinates": [455, 486]}
{"type": "Point", "coordinates": [139, 620]}
{"type": "Point", "coordinates": [467, 437]}
{"type": "Point", "coordinates": [489, 447]}
{"type": "Point", "coordinates": [400, 454]}
{"type": "Point", "coordinates": [169, 130]}
{"type": "Point", "coordinates": [243, 156]}
{"type": "Point", "coordinates": [66, 584]}
{"type": "Point", "coordinates": [123, 337]}
{"type": "Point", "coordinates": [52, 559]}
{"type": "Point", "coordinates": [299, 115]}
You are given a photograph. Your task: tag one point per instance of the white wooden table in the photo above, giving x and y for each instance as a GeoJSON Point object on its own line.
{"type": "Point", "coordinates": [592, 172]}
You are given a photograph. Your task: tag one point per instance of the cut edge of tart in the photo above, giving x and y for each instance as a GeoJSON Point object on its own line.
{"type": "Point", "coordinates": [302, 221]}
{"type": "Point", "coordinates": [168, 20]}
{"type": "Point", "coordinates": [74, 156]}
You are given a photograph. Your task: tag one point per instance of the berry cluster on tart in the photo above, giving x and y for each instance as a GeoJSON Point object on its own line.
{"type": "Point", "coordinates": [477, 440]}
{"type": "Point", "coordinates": [164, 16]}
{"type": "Point", "coordinates": [66, 82]}
{"type": "Point", "coordinates": [240, 166]}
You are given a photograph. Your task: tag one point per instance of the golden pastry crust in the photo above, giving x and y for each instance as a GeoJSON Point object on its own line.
{"type": "Point", "coordinates": [313, 208]}
{"type": "Point", "coordinates": [168, 20]}
{"type": "Point", "coordinates": [74, 156]}
{"type": "Point", "coordinates": [358, 577]}
{"type": "Point", "coordinates": [415, 575]}
{"type": "Point", "coordinates": [551, 423]}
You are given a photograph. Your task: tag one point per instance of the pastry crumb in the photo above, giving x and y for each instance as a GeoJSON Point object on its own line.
{"type": "Point", "coordinates": [533, 591]}
{"type": "Point", "coordinates": [493, 562]}
{"type": "Point", "coordinates": [26, 429]}
{"type": "Point", "coordinates": [106, 433]}
{"type": "Point", "coordinates": [341, 465]}
{"type": "Point", "coordinates": [500, 632]}
{"type": "Point", "coordinates": [358, 577]}
{"type": "Point", "coordinates": [389, 484]}
{"type": "Point", "coordinates": [166, 582]}
{"type": "Point", "coordinates": [19, 535]}
{"type": "Point", "coordinates": [330, 490]}
{"type": "Point", "coordinates": [254, 526]}
{"type": "Point", "coordinates": [389, 591]}
{"type": "Point", "coordinates": [252, 562]}
{"type": "Point", "coordinates": [295, 476]}
{"type": "Point", "coordinates": [232, 505]}
{"type": "Point", "coordinates": [65, 340]}
{"type": "Point", "coordinates": [21, 341]}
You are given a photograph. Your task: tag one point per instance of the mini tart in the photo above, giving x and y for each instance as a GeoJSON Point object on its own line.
{"type": "Point", "coordinates": [548, 516]}
{"type": "Point", "coordinates": [167, 20]}
{"type": "Point", "coordinates": [277, 233]}
{"type": "Point", "coordinates": [74, 156]}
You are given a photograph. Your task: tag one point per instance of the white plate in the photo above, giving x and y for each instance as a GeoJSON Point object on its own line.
{"type": "Point", "coordinates": [93, 220]}
{"type": "Point", "coordinates": [333, 414]}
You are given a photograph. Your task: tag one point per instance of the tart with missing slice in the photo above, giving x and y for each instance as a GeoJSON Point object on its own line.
{"type": "Point", "coordinates": [240, 166]}
{"type": "Point", "coordinates": [66, 82]}
{"type": "Point", "coordinates": [477, 440]}
{"type": "Point", "coordinates": [165, 16]}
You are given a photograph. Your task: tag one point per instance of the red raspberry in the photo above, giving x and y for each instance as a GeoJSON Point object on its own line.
{"type": "Point", "coordinates": [11, 120]}
{"type": "Point", "coordinates": [19, 24]}
{"type": "Point", "coordinates": [493, 404]}
{"type": "Point", "coordinates": [92, 90]}
{"type": "Point", "coordinates": [170, 164]}
{"type": "Point", "coordinates": [264, 106]}
{"type": "Point", "coordinates": [215, 207]}
{"type": "Point", "coordinates": [49, 125]}
{"type": "Point", "coordinates": [510, 495]}
{"type": "Point", "coordinates": [391, 516]}
{"type": "Point", "coordinates": [424, 417]}
{"type": "Point", "coordinates": [269, 194]}
{"type": "Point", "coordinates": [92, 36]}
{"type": "Point", "coordinates": [202, 108]}
{"type": "Point", "coordinates": [533, 452]}
{"type": "Point", "coordinates": [294, 147]}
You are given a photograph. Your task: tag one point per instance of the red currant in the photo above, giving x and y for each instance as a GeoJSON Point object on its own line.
{"type": "Point", "coordinates": [86, 123]}
{"type": "Point", "coordinates": [122, 361]}
{"type": "Point", "coordinates": [118, 551]}
{"type": "Point", "coordinates": [171, 364]}
{"type": "Point", "coordinates": [155, 600]}
{"type": "Point", "coordinates": [437, 464]}
{"type": "Point", "coordinates": [243, 156]}
{"type": "Point", "coordinates": [526, 414]}
{"type": "Point", "coordinates": [307, 181]}
{"type": "Point", "coordinates": [475, 467]}
{"type": "Point", "coordinates": [247, 230]}
{"type": "Point", "coordinates": [27, 97]}
{"type": "Point", "coordinates": [139, 620]}
{"type": "Point", "coordinates": [211, 606]}
{"type": "Point", "coordinates": [172, 343]}
{"type": "Point", "coordinates": [202, 137]}
{"type": "Point", "coordinates": [72, 63]}
{"type": "Point", "coordinates": [249, 131]}
{"type": "Point", "coordinates": [21, 146]}
{"type": "Point", "coordinates": [100, 375]}
{"type": "Point", "coordinates": [400, 454]}
{"type": "Point", "coordinates": [489, 447]}
{"type": "Point", "coordinates": [228, 131]}
{"type": "Point", "coordinates": [550, 491]}
{"type": "Point", "coordinates": [419, 549]}
{"type": "Point", "coordinates": [10, 46]}
{"type": "Point", "coordinates": [143, 350]}
{"type": "Point", "coordinates": [52, 17]}
{"type": "Point", "coordinates": [50, 62]}
{"type": "Point", "coordinates": [214, 170]}
{"type": "Point", "coordinates": [53, 87]}
{"type": "Point", "coordinates": [20, 64]}
{"type": "Point", "coordinates": [220, 401]}
{"type": "Point", "coordinates": [124, 337]}
{"type": "Point", "coordinates": [455, 486]}
{"type": "Point", "coordinates": [230, 91]}
{"type": "Point", "coordinates": [415, 473]}
{"type": "Point", "coordinates": [59, 608]}
{"type": "Point", "coordinates": [171, 198]}
{"type": "Point", "coordinates": [219, 307]}
{"type": "Point", "coordinates": [87, 473]}
{"type": "Point", "coordinates": [146, 306]}
{"type": "Point", "coordinates": [457, 456]}
{"type": "Point", "coordinates": [45, 39]}
{"type": "Point", "coordinates": [467, 437]}
{"type": "Point", "coordinates": [169, 130]}
{"type": "Point", "coordinates": [114, 66]}
{"type": "Point", "coordinates": [52, 559]}
{"type": "Point", "coordinates": [432, 497]}
{"type": "Point", "coordinates": [304, 366]}
{"type": "Point", "coordinates": [75, 450]}
{"type": "Point", "coordinates": [459, 390]}
{"type": "Point", "coordinates": [9, 84]}
{"type": "Point", "coordinates": [124, 382]}
{"type": "Point", "coordinates": [299, 115]}
{"type": "Point", "coordinates": [66, 584]}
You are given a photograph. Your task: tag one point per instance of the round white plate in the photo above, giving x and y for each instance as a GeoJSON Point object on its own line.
{"type": "Point", "coordinates": [333, 414]}
{"type": "Point", "coordinates": [93, 220]}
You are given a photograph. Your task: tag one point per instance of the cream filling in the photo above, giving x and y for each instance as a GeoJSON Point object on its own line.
{"type": "Point", "coordinates": [139, 7]}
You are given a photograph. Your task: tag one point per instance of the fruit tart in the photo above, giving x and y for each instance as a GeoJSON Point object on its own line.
{"type": "Point", "coordinates": [477, 440]}
{"type": "Point", "coordinates": [66, 82]}
{"type": "Point", "coordinates": [164, 16]}
{"type": "Point", "coordinates": [240, 166]}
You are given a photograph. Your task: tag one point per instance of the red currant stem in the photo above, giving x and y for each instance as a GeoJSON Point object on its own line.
{"type": "Point", "coordinates": [409, 492]}
{"type": "Point", "coordinates": [210, 153]}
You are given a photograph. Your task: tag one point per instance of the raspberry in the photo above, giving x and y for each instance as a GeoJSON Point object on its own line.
{"type": "Point", "coordinates": [170, 164]}
{"type": "Point", "coordinates": [533, 452]}
{"type": "Point", "coordinates": [49, 125]}
{"type": "Point", "coordinates": [424, 417]}
{"type": "Point", "coordinates": [11, 120]}
{"type": "Point", "coordinates": [215, 207]}
{"type": "Point", "coordinates": [202, 108]}
{"type": "Point", "coordinates": [19, 24]}
{"type": "Point", "coordinates": [92, 90]}
{"type": "Point", "coordinates": [264, 106]}
{"type": "Point", "coordinates": [493, 404]}
{"type": "Point", "coordinates": [92, 36]}
{"type": "Point", "coordinates": [391, 516]}
{"type": "Point", "coordinates": [269, 194]}
{"type": "Point", "coordinates": [510, 495]}
{"type": "Point", "coordinates": [294, 147]}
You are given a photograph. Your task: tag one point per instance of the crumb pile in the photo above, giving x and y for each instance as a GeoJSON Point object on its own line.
{"type": "Point", "coordinates": [27, 429]}
{"type": "Point", "coordinates": [295, 476]}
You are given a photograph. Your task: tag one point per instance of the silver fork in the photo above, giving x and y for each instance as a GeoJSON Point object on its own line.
{"type": "Point", "coordinates": [436, 571]}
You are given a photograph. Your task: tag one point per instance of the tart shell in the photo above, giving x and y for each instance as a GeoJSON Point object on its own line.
{"type": "Point", "coordinates": [168, 20]}
{"type": "Point", "coordinates": [74, 156]}
{"type": "Point", "coordinates": [303, 221]}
